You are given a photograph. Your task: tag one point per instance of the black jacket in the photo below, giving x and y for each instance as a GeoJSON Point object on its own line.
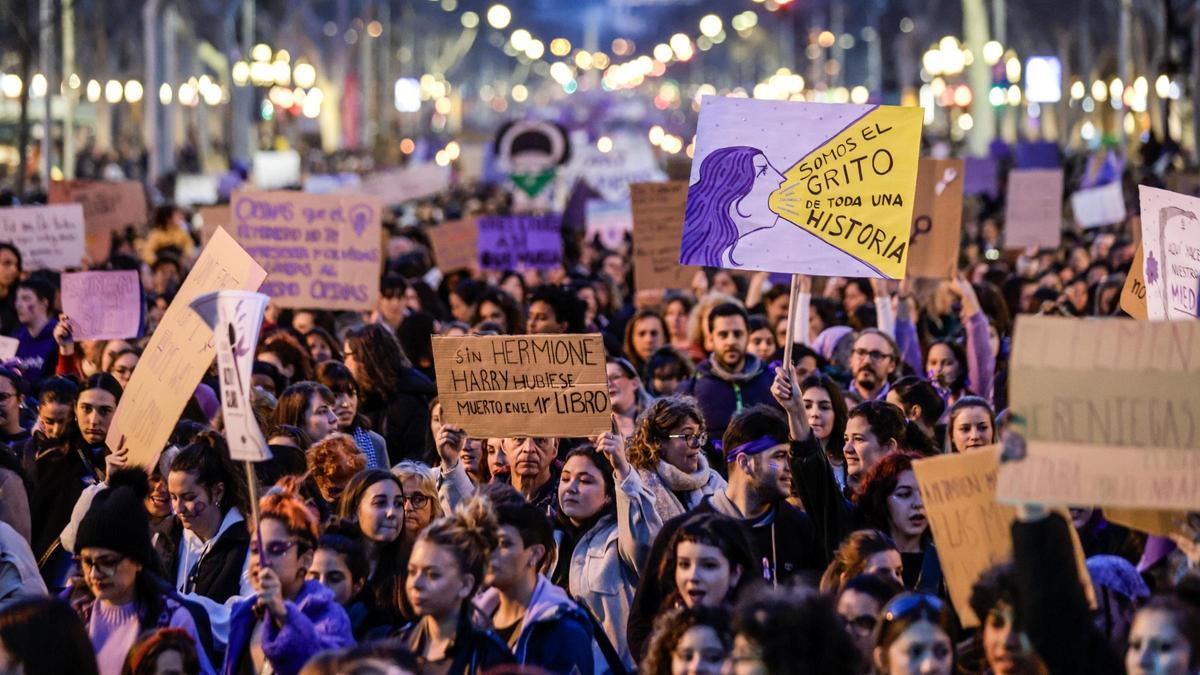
{"type": "Point", "coordinates": [403, 419]}
{"type": "Point", "coordinates": [218, 574]}
{"type": "Point", "coordinates": [57, 470]}
{"type": "Point", "coordinates": [813, 482]}
{"type": "Point", "coordinates": [476, 649]}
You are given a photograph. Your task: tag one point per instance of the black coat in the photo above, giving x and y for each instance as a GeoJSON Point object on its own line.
{"type": "Point", "coordinates": [218, 575]}
{"type": "Point", "coordinates": [403, 418]}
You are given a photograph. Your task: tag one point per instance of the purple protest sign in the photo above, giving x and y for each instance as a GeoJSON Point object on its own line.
{"type": "Point", "coordinates": [519, 242]}
{"type": "Point", "coordinates": [980, 176]}
{"type": "Point", "coordinates": [1038, 155]}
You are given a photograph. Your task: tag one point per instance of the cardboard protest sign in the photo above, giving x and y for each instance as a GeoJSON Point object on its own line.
{"type": "Point", "coordinates": [48, 237]}
{"type": "Point", "coordinates": [8, 347]}
{"type": "Point", "coordinates": [1171, 253]}
{"type": "Point", "coordinates": [657, 226]}
{"type": "Point", "coordinates": [1156, 522]}
{"type": "Point", "coordinates": [937, 219]}
{"type": "Point", "coordinates": [519, 242]}
{"type": "Point", "coordinates": [523, 385]}
{"type": "Point", "coordinates": [455, 243]}
{"type": "Point", "coordinates": [1109, 410]}
{"type": "Point", "coordinates": [179, 352]}
{"type": "Point", "coordinates": [1033, 208]}
{"type": "Point", "coordinates": [212, 217]}
{"type": "Point", "coordinates": [235, 318]}
{"type": "Point", "coordinates": [795, 187]}
{"type": "Point", "coordinates": [971, 530]}
{"type": "Point", "coordinates": [980, 178]}
{"type": "Point", "coordinates": [1103, 205]}
{"type": "Point", "coordinates": [275, 170]}
{"type": "Point", "coordinates": [103, 305]}
{"type": "Point", "coordinates": [322, 251]}
{"type": "Point", "coordinates": [608, 221]}
{"type": "Point", "coordinates": [1133, 295]}
{"type": "Point", "coordinates": [196, 189]}
{"type": "Point", "coordinates": [396, 186]}
{"type": "Point", "coordinates": [107, 207]}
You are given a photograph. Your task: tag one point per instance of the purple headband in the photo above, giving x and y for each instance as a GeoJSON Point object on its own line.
{"type": "Point", "coordinates": [760, 444]}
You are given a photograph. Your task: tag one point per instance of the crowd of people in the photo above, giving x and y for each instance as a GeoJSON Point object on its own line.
{"type": "Point", "coordinates": [744, 515]}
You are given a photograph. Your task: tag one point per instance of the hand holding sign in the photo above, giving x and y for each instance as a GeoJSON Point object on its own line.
{"type": "Point", "coordinates": [612, 445]}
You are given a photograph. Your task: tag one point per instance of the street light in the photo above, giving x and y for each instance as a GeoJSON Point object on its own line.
{"type": "Point", "coordinates": [499, 16]}
{"type": "Point", "coordinates": [304, 75]}
{"type": "Point", "coordinates": [710, 25]}
{"type": "Point", "coordinates": [133, 91]}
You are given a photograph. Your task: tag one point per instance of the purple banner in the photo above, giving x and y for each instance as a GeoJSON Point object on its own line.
{"type": "Point", "coordinates": [1038, 155]}
{"type": "Point", "coordinates": [520, 242]}
{"type": "Point", "coordinates": [980, 176]}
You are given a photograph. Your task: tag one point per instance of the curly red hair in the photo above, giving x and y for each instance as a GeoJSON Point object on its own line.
{"type": "Point", "coordinates": [334, 461]}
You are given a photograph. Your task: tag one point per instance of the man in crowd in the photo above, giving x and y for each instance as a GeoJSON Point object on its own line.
{"type": "Point", "coordinates": [36, 347]}
{"type": "Point", "coordinates": [872, 361]}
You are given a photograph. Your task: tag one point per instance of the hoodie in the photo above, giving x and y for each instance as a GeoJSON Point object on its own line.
{"type": "Point", "coordinates": [555, 635]}
{"type": "Point", "coordinates": [315, 622]}
{"type": "Point", "coordinates": [720, 397]}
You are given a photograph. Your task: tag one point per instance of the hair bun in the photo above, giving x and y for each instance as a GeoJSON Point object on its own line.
{"type": "Point", "coordinates": [133, 478]}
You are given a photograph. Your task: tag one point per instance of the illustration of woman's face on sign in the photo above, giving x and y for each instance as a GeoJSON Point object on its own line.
{"type": "Point", "coordinates": [751, 212]}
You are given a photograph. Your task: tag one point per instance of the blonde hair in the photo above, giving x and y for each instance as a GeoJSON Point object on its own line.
{"type": "Point", "coordinates": [469, 534]}
{"type": "Point", "coordinates": [426, 480]}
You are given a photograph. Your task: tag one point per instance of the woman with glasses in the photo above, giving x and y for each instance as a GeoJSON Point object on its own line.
{"type": "Point", "coordinates": [338, 378]}
{"type": "Point", "coordinates": [667, 451]}
{"type": "Point", "coordinates": [913, 636]}
{"type": "Point", "coordinates": [859, 604]}
{"type": "Point", "coordinates": [689, 641]}
{"type": "Point", "coordinates": [421, 505]}
{"type": "Point", "coordinates": [374, 502]}
{"type": "Point", "coordinates": [288, 619]}
{"type": "Point", "coordinates": [125, 594]}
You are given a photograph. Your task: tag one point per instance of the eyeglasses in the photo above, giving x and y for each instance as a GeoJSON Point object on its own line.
{"type": "Point", "coordinates": [277, 549]}
{"type": "Point", "coordinates": [909, 605]}
{"type": "Point", "coordinates": [106, 565]}
{"type": "Point", "coordinates": [693, 440]}
{"type": "Point", "coordinates": [418, 501]}
{"type": "Point", "coordinates": [861, 624]}
{"type": "Point", "coordinates": [873, 354]}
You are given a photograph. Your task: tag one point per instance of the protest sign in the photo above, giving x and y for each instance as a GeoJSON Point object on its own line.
{"type": "Point", "coordinates": [8, 347]}
{"type": "Point", "coordinates": [454, 244]}
{"type": "Point", "coordinates": [822, 189]}
{"type": "Point", "coordinates": [609, 221]}
{"type": "Point", "coordinates": [937, 219]}
{"type": "Point", "coordinates": [971, 530]}
{"type": "Point", "coordinates": [1109, 411]}
{"type": "Point", "coordinates": [1171, 253]}
{"type": "Point", "coordinates": [630, 160]}
{"type": "Point", "coordinates": [980, 176]}
{"type": "Point", "coordinates": [523, 385]}
{"type": "Point", "coordinates": [212, 217]}
{"type": "Point", "coordinates": [1103, 205]}
{"type": "Point", "coordinates": [322, 251]}
{"type": "Point", "coordinates": [396, 186]}
{"type": "Point", "coordinates": [235, 318]}
{"type": "Point", "coordinates": [657, 226]}
{"type": "Point", "coordinates": [1037, 155]}
{"type": "Point", "coordinates": [48, 237]}
{"type": "Point", "coordinates": [103, 305]}
{"type": "Point", "coordinates": [1133, 295]}
{"type": "Point", "coordinates": [179, 352]}
{"type": "Point", "coordinates": [324, 183]}
{"type": "Point", "coordinates": [273, 170]}
{"type": "Point", "coordinates": [108, 206]}
{"type": "Point", "coordinates": [1151, 521]}
{"type": "Point", "coordinates": [519, 242]}
{"type": "Point", "coordinates": [195, 189]}
{"type": "Point", "coordinates": [1033, 209]}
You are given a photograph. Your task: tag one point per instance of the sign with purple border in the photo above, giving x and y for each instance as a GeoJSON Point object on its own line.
{"type": "Point", "coordinates": [520, 242]}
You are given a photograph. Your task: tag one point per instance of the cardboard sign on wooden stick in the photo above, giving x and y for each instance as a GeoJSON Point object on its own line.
{"type": "Point", "coordinates": [523, 385]}
{"type": "Point", "coordinates": [937, 219]}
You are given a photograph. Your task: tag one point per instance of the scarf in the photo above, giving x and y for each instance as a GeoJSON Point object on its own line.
{"type": "Point", "coordinates": [678, 481]}
{"type": "Point", "coordinates": [750, 370]}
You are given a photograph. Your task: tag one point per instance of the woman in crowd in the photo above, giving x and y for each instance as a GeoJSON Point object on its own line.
{"type": "Point", "coordinates": [340, 564]}
{"type": "Point", "coordinates": [667, 451]}
{"type": "Point", "coordinates": [971, 424]}
{"type": "Point", "coordinates": [825, 411]}
{"type": "Point", "coordinates": [125, 594]}
{"type": "Point", "coordinates": [859, 603]}
{"type": "Point", "coordinates": [626, 394]}
{"type": "Point", "coordinates": [890, 502]}
{"type": "Point", "coordinates": [44, 635]}
{"type": "Point", "coordinates": [645, 333]}
{"type": "Point", "coordinates": [538, 621]}
{"type": "Point", "coordinates": [689, 641]}
{"type": "Point", "coordinates": [606, 523]}
{"type": "Point", "coordinates": [395, 397]}
{"type": "Point", "coordinates": [665, 370]}
{"type": "Point", "coordinates": [322, 346]}
{"type": "Point", "coordinates": [374, 501]}
{"type": "Point", "coordinates": [281, 349]}
{"type": "Point", "coordinates": [166, 651]}
{"type": "Point", "coordinates": [332, 463]}
{"type": "Point", "coordinates": [445, 570]}
{"type": "Point", "coordinates": [790, 632]}
{"type": "Point", "coordinates": [913, 636]}
{"type": "Point", "coordinates": [307, 405]}
{"type": "Point", "coordinates": [863, 552]}
{"type": "Point", "coordinates": [970, 370]}
{"type": "Point", "coordinates": [123, 363]}
{"type": "Point", "coordinates": [209, 496]}
{"type": "Point", "coordinates": [709, 561]}
{"type": "Point", "coordinates": [339, 380]}
{"type": "Point", "coordinates": [921, 404]}
{"type": "Point", "coordinates": [676, 308]}
{"type": "Point", "coordinates": [289, 618]}
{"type": "Point", "coordinates": [761, 341]}
{"type": "Point", "coordinates": [421, 504]}
{"type": "Point", "coordinates": [500, 308]}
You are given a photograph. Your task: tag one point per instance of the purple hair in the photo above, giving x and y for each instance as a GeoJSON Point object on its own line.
{"type": "Point", "coordinates": [726, 175]}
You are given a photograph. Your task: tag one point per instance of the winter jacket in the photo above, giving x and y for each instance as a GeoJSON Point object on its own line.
{"type": "Point", "coordinates": [217, 574]}
{"type": "Point", "coordinates": [608, 560]}
{"type": "Point", "coordinates": [59, 469]}
{"type": "Point", "coordinates": [403, 417]}
{"type": "Point", "coordinates": [555, 635]}
{"type": "Point", "coordinates": [476, 648]}
{"type": "Point", "coordinates": [315, 622]}
{"type": "Point", "coordinates": [719, 399]}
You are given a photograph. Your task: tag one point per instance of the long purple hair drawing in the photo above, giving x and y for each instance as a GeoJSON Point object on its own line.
{"type": "Point", "coordinates": [727, 175]}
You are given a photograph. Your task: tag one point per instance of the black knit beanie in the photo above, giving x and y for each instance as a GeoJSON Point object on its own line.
{"type": "Point", "coordinates": [117, 519]}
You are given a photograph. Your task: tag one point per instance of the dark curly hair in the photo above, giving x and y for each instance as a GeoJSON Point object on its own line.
{"type": "Point", "coordinates": [797, 632]}
{"type": "Point", "coordinates": [653, 425]}
{"type": "Point", "coordinates": [673, 625]}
